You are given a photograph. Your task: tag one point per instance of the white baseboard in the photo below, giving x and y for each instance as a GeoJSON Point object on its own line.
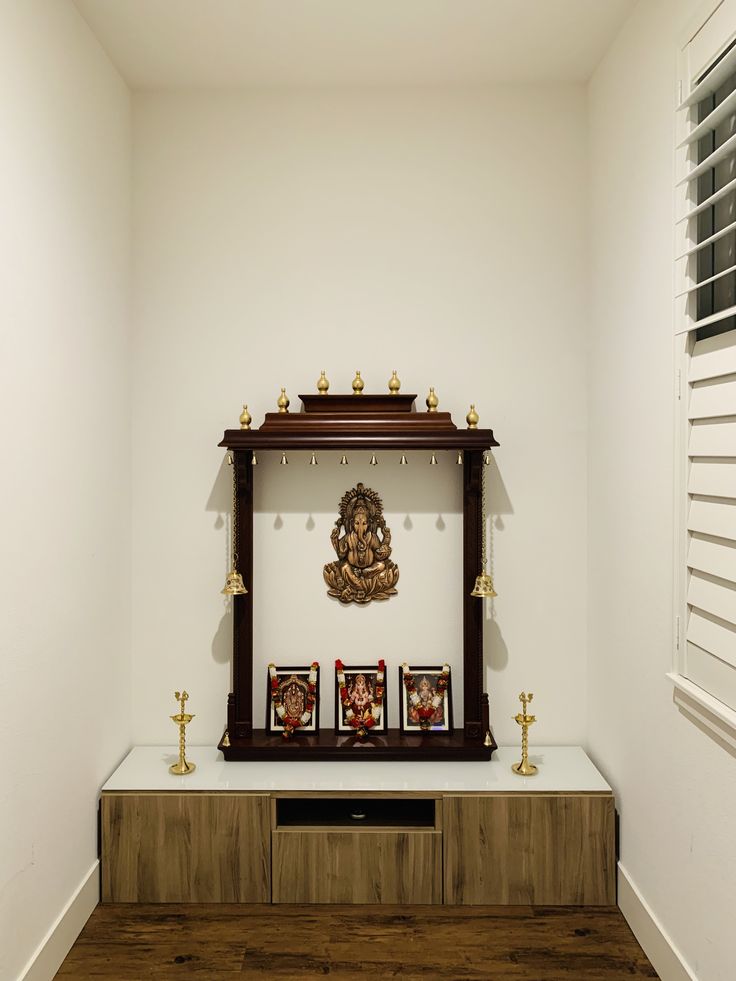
{"type": "Point", "coordinates": [655, 942]}
{"type": "Point", "coordinates": [50, 953]}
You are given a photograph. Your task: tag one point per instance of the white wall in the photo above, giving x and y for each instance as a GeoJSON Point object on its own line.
{"type": "Point", "coordinates": [674, 783]}
{"type": "Point", "coordinates": [438, 232]}
{"type": "Point", "coordinates": [64, 425]}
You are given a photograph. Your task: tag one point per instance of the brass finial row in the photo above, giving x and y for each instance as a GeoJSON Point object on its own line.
{"type": "Point", "coordinates": [323, 386]}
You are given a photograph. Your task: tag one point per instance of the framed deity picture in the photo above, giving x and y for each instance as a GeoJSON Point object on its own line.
{"type": "Point", "coordinates": [292, 699]}
{"type": "Point", "coordinates": [360, 698]}
{"type": "Point", "coordinates": [425, 698]}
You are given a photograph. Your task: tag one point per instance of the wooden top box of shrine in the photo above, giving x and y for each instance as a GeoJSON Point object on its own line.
{"type": "Point", "coordinates": [343, 422]}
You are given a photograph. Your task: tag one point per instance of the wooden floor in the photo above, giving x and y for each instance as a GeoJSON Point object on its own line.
{"type": "Point", "coordinates": [359, 943]}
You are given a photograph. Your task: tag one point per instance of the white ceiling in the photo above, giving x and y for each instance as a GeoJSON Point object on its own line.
{"type": "Point", "coordinates": [223, 43]}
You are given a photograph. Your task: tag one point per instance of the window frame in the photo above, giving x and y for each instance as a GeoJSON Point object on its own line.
{"type": "Point", "coordinates": [711, 32]}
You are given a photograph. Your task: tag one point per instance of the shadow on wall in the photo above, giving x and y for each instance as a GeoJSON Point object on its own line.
{"type": "Point", "coordinates": [222, 642]}
{"type": "Point", "coordinates": [495, 651]}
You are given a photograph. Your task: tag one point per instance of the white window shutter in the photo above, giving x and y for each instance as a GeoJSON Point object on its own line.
{"type": "Point", "coordinates": [705, 317]}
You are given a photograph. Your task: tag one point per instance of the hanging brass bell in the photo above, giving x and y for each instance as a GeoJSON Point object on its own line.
{"type": "Point", "coordinates": [403, 461]}
{"type": "Point", "coordinates": [254, 461]}
{"type": "Point", "coordinates": [313, 461]}
{"type": "Point", "coordinates": [459, 460]}
{"type": "Point", "coordinates": [344, 461]}
{"type": "Point", "coordinates": [433, 461]}
{"type": "Point", "coordinates": [373, 461]}
{"type": "Point", "coordinates": [284, 461]}
{"type": "Point", "coordinates": [234, 585]}
{"type": "Point", "coordinates": [484, 587]}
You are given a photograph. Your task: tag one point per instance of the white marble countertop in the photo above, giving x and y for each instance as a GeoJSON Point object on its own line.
{"type": "Point", "coordinates": [562, 769]}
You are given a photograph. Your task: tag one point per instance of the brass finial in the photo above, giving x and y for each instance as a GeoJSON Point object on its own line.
{"type": "Point", "coordinates": [283, 401]}
{"type": "Point", "coordinates": [472, 418]}
{"type": "Point", "coordinates": [245, 418]}
{"type": "Point", "coordinates": [524, 768]}
{"type": "Point", "coordinates": [432, 401]}
{"type": "Point", "coordinates": [182, 719]}
{"type": "Point", "coordinates": [358, 384]}
{"type": "Point", "coordinates": [394, 384]}
{"type": "Point", "coordinates": [323, 384]}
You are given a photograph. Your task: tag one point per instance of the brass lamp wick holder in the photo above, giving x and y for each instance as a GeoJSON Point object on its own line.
{"type": "Point", "coordinates": [182, 719]}
{"type": "Point", "coordinates": [524, 768]}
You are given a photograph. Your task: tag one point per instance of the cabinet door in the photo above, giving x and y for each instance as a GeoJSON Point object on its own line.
{"type": "Point", "coordinates": [185, 848]}
{"type": "Point", "coordinates": [357, 867]}
{"type": "Point", "coordinates": [556, 850]}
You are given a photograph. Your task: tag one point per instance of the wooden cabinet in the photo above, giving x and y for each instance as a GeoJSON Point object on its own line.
{"type": "Point", "coordinates": [529, 848]}
{"type": "Point", "coordinates": [186, 848]}
{"type": "Point", "coordinates": [371, 832]}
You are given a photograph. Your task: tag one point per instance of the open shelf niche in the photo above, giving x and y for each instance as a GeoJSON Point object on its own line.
{"type": "Point", "coordinates": [367, 422]}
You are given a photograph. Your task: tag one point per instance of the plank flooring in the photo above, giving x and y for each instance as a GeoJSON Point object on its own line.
{"type": "Point", "coordinates": [224, 942]}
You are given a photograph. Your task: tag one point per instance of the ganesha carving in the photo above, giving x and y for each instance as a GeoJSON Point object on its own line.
{"type": "Point", "coordinates": [363, 570]}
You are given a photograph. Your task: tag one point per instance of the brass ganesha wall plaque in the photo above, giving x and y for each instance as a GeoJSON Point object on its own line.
{"type": "Point", "coordinates": [363, 571]}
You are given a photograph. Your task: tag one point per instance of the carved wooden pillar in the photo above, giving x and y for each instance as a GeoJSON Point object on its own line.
{"type": "Point", "coordinates": [472, 606]}
{"type": "Point", "coordinates": [242, 709]}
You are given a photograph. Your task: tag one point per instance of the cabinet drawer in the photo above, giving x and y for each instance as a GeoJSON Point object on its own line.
{"type": "Point", "coordinates": [185, 848]}
{"type": "Point", "coordinates": [356, 866]}
{"type": "Point", "coordinates": [548, 850]}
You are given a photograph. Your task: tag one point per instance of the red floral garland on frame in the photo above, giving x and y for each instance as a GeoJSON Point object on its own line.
{"type": "Point", "coordinates": [361, 724]}
{"type": "Point", "coordinates": [292, 722]}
